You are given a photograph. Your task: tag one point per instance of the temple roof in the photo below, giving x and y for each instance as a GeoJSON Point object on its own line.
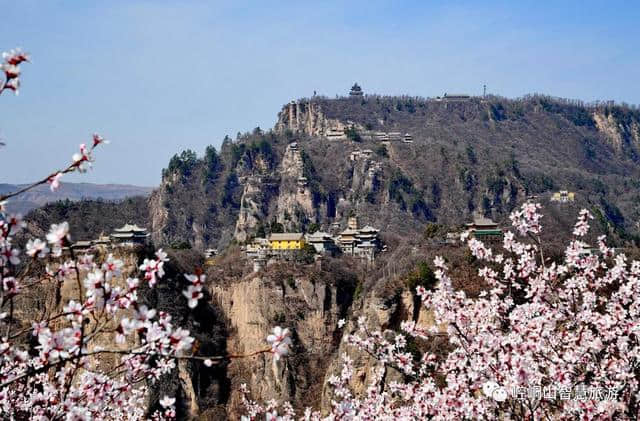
{"type": "Point", "coordinates": [319, 236]}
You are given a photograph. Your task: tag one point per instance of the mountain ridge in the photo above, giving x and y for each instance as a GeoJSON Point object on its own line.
{"type": "Point", "coordinates": [41, 195]}
{"type": "Point", "coordinates": [477, 154]}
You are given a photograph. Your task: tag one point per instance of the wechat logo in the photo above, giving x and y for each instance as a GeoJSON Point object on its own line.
{"type": "Point", "coordinates": [495, 391]}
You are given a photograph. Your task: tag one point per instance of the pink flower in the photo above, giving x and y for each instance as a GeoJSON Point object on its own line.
{"type": "Point", "coordinates": [58, 233]}
{"type": "Point", "coordinates": [10, 285]}
{"type": "Point", "coordinates": [75, 311]}
{"type": "Point", "coordinates": [10, 70]}
{"type": "Point", "coordinates": [162, 256]}
{"type": "Point", "coordinates": [112, 266]}
{"type": "Point", "coordinates": [180, 340]}
{"type": "Point", "coordinates": [167, 402]}
{"type": "Point", "coordinates": [9, 254]}
{"type": "Point", "coordinates": [13, 85]}
{"type": "Point", "coordinates": [37, 248]}
{"type": "Point", "coordinates": [82, 160]}
{"type": "Point", "coordinates": [54, 181]}
{"type": "Point", "coordinates": [280, 342]}
{"type": "Point", "coordinates": [193, 293]}
{"type": "Point", "coordinates": [97, 140]}
{"type": "Point", "coordinates": [16, 223]}
{"type": "Point", "coordinates": [582, 226]}
{"type": "Point", "coordinates": [15, 56]}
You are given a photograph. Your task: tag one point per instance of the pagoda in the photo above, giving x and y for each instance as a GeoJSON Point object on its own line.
{"type": "Point", "coordinates": [356, 91]}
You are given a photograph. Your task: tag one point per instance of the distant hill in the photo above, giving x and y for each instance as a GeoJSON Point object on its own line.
{"type": "Point", "coordinates": [42, 195]}
{"type": "Point", "coordinates": [88, 219]}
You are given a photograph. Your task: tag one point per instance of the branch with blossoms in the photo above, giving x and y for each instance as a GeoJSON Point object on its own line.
{"type": "Point", "coordinates": [51, 365]}
{"type": "Point", "coordinates": [80, 162]}
{"type": "Point", "coordinates": [11, 69]}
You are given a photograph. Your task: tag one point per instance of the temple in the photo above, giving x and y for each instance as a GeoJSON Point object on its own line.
{"type": "Point", "coordinates": [360, 242]}
{"type": "Point", "coordinates": [484, 228]}
{"type": "Point", "coordinates": [130, 235]}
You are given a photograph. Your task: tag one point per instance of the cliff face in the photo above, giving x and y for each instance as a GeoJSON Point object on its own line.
{"type": "Point", "coordinates": [253, 306]}
{"type": "Point", "coordinates": [620, 129]}
{"type": "Point", "coordinates": [307, 118]}
{"type": "Point", "coordinates": [294, 206]}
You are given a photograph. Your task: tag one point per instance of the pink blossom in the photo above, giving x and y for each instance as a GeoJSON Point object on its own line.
{"type": "Point", "coordinates": [54, 181]}
{"type": "Point", "coordinates": [8, 254]}
{"type": "Point", "coordinates": [10, 70]}
{"type": "Point", "coordinates": [13, 85]}
{"type": "Point", "coordinates": [82, 160]}
{"type": "Point", "coordinates": [112, 266]}
{"type": "Point", "coordinates": [10, 285]}
{"type": "Point", "coordinates": [97, 140]}
{"type": "Point", "coordinates": [58, 233]}
{"type": "Point", "coordinates": [15, 56]}
{"type": "Point", "coordinates": [280, 342]}
{"type": "Point", "coordinates": [167, 402]}
{"type": "Point", "coordinates": [37, 248]}
{"type": "Point", "coordinates": [16, 223]}
{"type": "Point", "coordinates": [193, 293]}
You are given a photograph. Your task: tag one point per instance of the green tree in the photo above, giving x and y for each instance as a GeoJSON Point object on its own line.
{"type": "Point", "coordinates": [276, 227]}
{"type": "Point", "coordinates": [422, 276]}
{"type": "Point", "coordinates": [353, 134]}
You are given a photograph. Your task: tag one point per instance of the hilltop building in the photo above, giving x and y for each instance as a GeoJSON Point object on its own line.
{"type": "Point", "coordinates": [563, 196]}
{"type": "Point", "coordinates": [454, 97]}
{"type": "Point", "coordinates": [130, 235]}
{"type": "Point", "coordinates": [356, 91]}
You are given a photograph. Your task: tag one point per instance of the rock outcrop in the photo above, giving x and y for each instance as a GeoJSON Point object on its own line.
{"type": "Point", "coordinates": [309, 306]}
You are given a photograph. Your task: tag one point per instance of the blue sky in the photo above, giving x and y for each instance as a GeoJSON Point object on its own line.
{"type": "Point", "coordinates": [156, 77]}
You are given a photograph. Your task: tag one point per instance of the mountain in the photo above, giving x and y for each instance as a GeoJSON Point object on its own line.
{"type": "Point", "coordinates": [41, 195]}
{"type": "Point", "coordinates": [400, 163]}
{"type": "Point", "coordinates": [414, 168]}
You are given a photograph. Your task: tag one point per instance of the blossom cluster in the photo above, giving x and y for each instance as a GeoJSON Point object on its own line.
{"type": "Point", "coordinates": [193, 293]}
{"type": "Point", "coordinates": [11, 69]}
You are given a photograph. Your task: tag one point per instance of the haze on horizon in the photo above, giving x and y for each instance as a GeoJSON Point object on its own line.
{"type": "Point", "coordinates": [157, 77]}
